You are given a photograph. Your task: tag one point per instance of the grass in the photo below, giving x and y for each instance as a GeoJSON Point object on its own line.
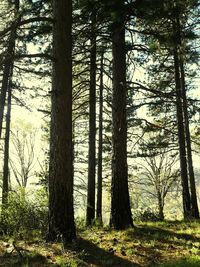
{"type": "Point", "coordinates": [163, 244]}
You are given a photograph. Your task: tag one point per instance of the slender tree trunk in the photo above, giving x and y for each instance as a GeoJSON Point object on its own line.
{"type": "Point", "coordinates": [90, 215]}
{"type": "Point", "coordinates": [160, 207]}
{"type": "Point", "coordinates": [181, 139]}
{"type": "Point", "coordinates": [194, 204]}
{"type": "Point", "coordinates": [100, 147]}
{"type": "Point", "coordinates": [7, 88]}
{"type": "Point", "coordinates": [121, 216]}
{"type": "Point", "coordinates": [61, 210]}
{"type": "Point", "coordinates": [6, 72]}
{"type": "Point", "coordinates": [5, 186]}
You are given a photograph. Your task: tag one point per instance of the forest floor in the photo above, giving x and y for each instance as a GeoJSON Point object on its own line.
{"type": "Point", "coordinates": [167, 244]}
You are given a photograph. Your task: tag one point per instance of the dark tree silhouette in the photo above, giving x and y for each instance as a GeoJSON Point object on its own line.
{"type": "Point", "coordinates": [61, 211]}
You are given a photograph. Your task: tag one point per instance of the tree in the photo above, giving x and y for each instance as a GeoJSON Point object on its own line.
{"type": "Point", "coordinates": [100, 145]}
{"type": "Point", "coordinates": [22, 160]}
{"type": "Point", "coordinates": [158, 174]}
{"type": "Point", "coordinates": [180, 50]}
{"type": "Point", "coordinates": [194, 203]}
{"type": "Point", "coordinates": [92, 126]}
{"type": "Point", "coordinates": [16, 45]}
{"type": "Point", "coordinates": [6, 172]}
{"type": "Point", "coordinates": [170, 26]}
{"type": "Point", "coordinates": [121, 216]}
{"type": "Point", "coordinates": [61, 210]}
{"type": "Point", "coordinates": [7, 90]}
{"type": "Point", "coordinates": [8, 65]}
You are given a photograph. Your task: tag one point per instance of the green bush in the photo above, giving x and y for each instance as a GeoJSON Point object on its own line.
{"type": "Point", "coordinates": [148, 215]}
{"type": "Point", "coordinates": [22, 214]}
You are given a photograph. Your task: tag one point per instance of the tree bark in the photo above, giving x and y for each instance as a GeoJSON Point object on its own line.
{"type": "Point", "coordinates": [160, 206]}
{"type": "Point", "coordinates": [121, 216]}
{"type": "Point", "coordinates": [194, 203]}
{"type": "Point", "coordinates": [6, 72]}
{"type": "Point", "coordinates": [5, 186]}
{"type": "Point", "coordinates": [90, 215]}
{"type": "Point", "coordinates": [100, 147]}
{"type": "Point", "coordinates": [7, 89]}
{"type": "Point", "coordinates": [181, 139]}
{"type": "Point", "coordinates": [61, 210]}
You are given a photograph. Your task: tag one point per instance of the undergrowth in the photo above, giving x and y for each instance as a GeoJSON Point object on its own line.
{"type": "Point", "coordinates": [148, 244]}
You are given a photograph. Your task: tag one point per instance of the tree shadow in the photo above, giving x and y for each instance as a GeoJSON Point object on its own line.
{"type": "Point", "coordinates": [179, 263]}
{"type": "Point", "coordinates": [16, 261]}
{"type": "Point", "coordinates": [149, 233]}
{"type": "Point", "coordinates": [94, 255]}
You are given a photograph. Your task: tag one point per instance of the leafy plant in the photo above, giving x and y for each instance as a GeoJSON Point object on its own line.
{"type": "Point", "coordinates": [22, 215]}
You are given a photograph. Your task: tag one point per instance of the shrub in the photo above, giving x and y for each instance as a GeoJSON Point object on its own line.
{"type": "Point", "coordinates": [22, 214]}
{"type": "Point", "coordinates": [148, 215]}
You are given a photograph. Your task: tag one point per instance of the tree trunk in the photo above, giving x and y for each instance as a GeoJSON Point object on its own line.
{"type": "Point", "coordinates": [6, 147]}
{"type": "Point", "coordinates": [181, 139]}
{"type": "Point", "coordinates": [194, 204]}
{"type": "Point", "coordinates": [160, 207]}
{"type": "Point", "coordinates": [61, 210]}
{"type": "Point", "coordinates": [92, 129]}
{"type": "Point", "coordinates": [100, 147]}
{"type": "Point", "coordinates": [7, 88]}
{"type": "Point", "coordinates": [121, 216]}
{"type": "Point", "coordinates": [8, 65]}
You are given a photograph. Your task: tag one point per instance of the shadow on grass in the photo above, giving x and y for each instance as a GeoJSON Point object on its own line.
{"type": "Point", "coordinates": [27, 261]}
{"type": "Point", "coordinates": [188, 262]}
{"type": "Point", "coordinates": [92, 254]}
{"type": "Point", "coordinates": [156, 233]}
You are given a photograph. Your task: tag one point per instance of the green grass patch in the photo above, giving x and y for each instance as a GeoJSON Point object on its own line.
{"type": "Point", "coordinates": [187, 262]}
{"type": "Point", "coordinates": [146, 245]}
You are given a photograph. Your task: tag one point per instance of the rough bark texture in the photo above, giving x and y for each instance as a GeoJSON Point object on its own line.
{"type": "Point", "coordinates": [100, 147]}
{"type": "Point", "coordinates": [90, 215]}
{"type": "Point", "coordinates": [121, 217]}
{"type": "Point", "coordinates": [61, 212]}
{"type": "Point", "coordinates": [181, 139]}
{"type": "Point", "coordinates": [194, 203]}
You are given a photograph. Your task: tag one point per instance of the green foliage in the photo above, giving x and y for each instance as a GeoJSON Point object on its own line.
{"type": "Point", "coordinates": [73, 262]}
{"type": "Point", "coordinates": [80, 223]}
{"type": "Point", "coordinates": [148, 215]}
{"type": "Point", "coordinates": [22, 215]}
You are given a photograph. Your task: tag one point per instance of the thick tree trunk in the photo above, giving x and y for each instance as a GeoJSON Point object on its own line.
{"type": "Point", "coordinates": [61, 211]}
{"type": "Point", "coordinates": [194, 204]}
{"type": "Point", "coordinates": [181, 139]}
{"type": "Point", "coordinates": [100, 147]}
{"type": "Point", "coordinates": [90, 215]}
{"type": "Point", "coordinates": [121, 216]}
